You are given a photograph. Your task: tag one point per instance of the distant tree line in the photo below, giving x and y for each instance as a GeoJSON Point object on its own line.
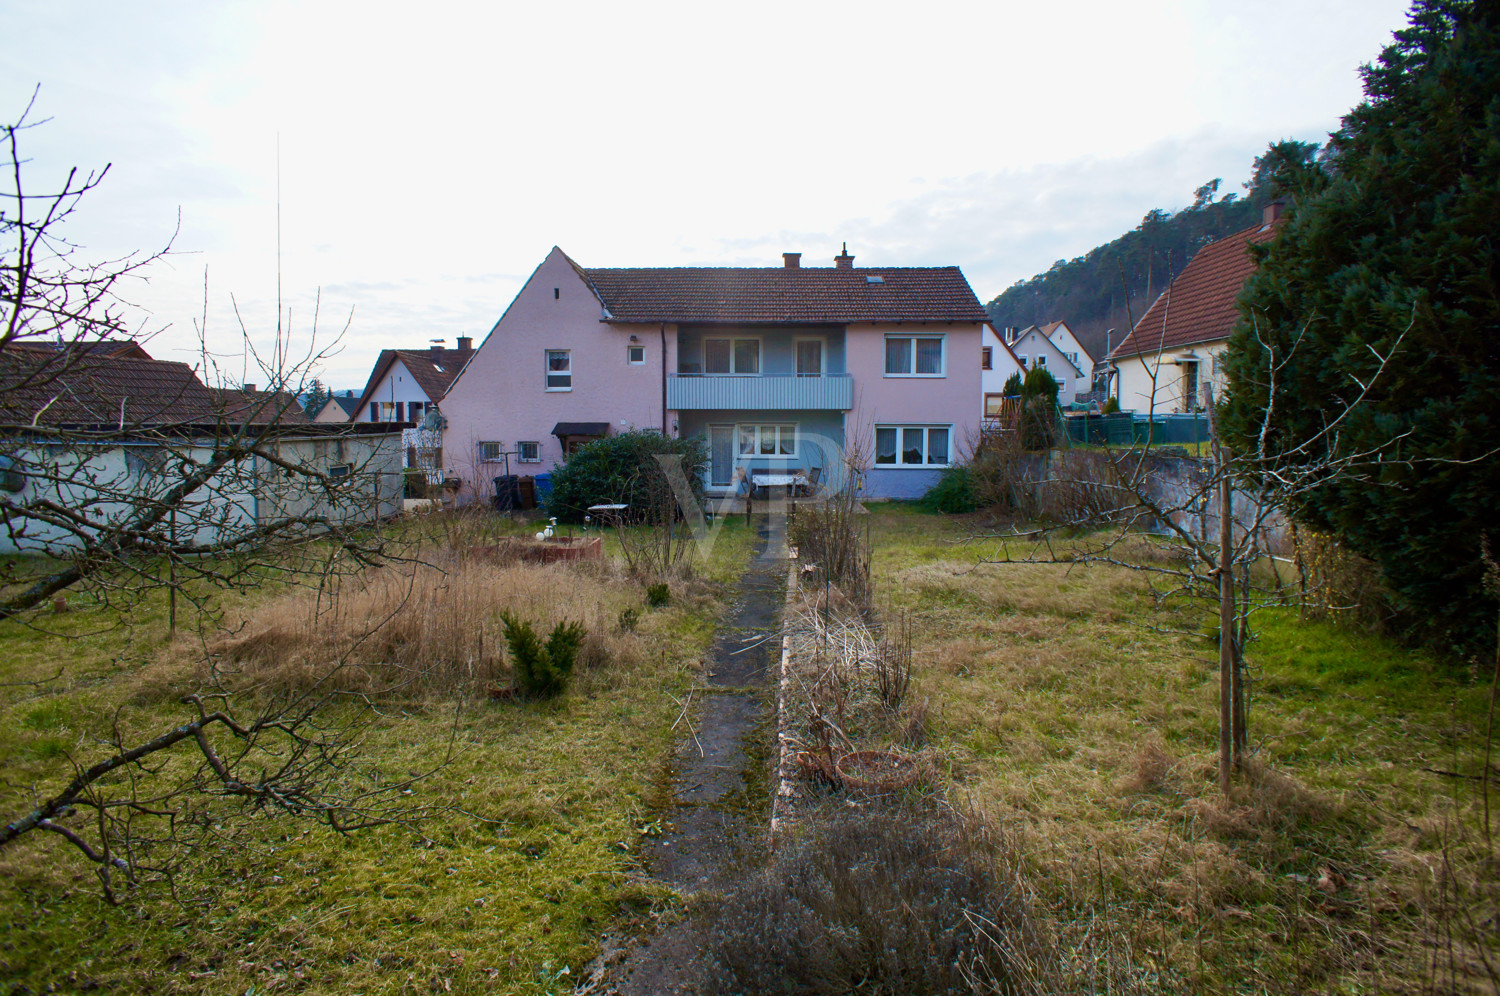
{"type": "Point", "coordinates": [1111, 285]}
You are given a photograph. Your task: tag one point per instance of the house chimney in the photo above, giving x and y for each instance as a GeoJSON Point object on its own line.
{"type": "Point", "coordinates": [248, 388]}
{"type": "Point", "coordinates": [465, 343]}
{"type": "Point", "coordinates": [1272, 212]}
{"type": "Point", "coordinates": [791, 260]}
{"type": "Point", "coordinates": [843, 260]}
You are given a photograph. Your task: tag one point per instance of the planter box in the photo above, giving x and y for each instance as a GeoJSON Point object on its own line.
{"type": "Point", "coordinates": [551, 551]}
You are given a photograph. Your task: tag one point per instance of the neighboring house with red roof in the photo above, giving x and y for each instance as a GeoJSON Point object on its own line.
{"type": "Point", "coordinates": [404, 385]}
{"type": "Point", "coordinates": [774, 368]}
{"type": "Point", "coordinates": [1162, 364]}
{"type": "Point", "coordinates": [407, 382]}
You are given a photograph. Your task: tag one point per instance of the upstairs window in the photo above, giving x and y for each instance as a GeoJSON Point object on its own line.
{"type": "Point", "coordinates": [635, 355]}
{"type": "Point", "coordinates": [987, 358]}
{"type": "Point", "coordinates": [731, 356]}
{"type": "Point", "coordinates": [559, 370]}
{"type": "Point", "coordinates": [914, 356]}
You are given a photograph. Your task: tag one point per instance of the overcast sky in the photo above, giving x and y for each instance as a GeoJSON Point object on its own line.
{"type": "Point", "coordinates": [430, 155]}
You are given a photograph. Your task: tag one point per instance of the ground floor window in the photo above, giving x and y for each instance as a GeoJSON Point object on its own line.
{"type": "Point", "coordinates": [768, 440]}
{"type": "Point", "coordinates": [912, 445]}
{"type": "Point", "coordinates": [490, 451]}
{"type": "Point", "coordinates": [529, 452]}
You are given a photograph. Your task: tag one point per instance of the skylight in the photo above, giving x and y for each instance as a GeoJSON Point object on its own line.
{"type": "Point", "coordinates": [874, 279]}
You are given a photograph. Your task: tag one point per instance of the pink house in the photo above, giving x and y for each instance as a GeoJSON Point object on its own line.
{"type": "Point", "coordinates": [774, 368]}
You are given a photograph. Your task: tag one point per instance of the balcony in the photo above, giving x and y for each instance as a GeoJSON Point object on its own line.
{"type": "Point", "coordinates": [771, 392]}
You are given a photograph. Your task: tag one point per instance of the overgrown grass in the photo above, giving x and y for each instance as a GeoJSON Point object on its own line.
{"type": "Point", "coordinates": [507, 889]}
{"type": "Point", "coordinates": [1083, 721]}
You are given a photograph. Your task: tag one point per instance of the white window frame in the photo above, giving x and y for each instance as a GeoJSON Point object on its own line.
{"type": "Point", "coordinates": [1041, 359]}
{"type": "Point", "coordinates": [1021, 358]}
{"type": "Point", "coordinates": [536, 452]}
{"type": "Point", "coordinates": [913, 338]}
{"type": "Point", "coordinates": [490, 451]}
{"type": "Point", "coordinates": [631, 352]}
{"type": "Point", "coordinates": [760, 356]}
{"type": "Point", "coordinates": [901, 429]}
{"type": "Point", "coordinates": [758, 440]}
{"type": "Point", "coordinates": [548, 373]}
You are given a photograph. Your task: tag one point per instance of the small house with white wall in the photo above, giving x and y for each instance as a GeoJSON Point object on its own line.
{"type": "Point", "coordinates": [403, 387]}
{"type": "Point", "coordinates": [997, 364]}
{"type": "Point", "coordinates": [1178, 343]}
{"type": "Point", "coordinates": [1033, 348]}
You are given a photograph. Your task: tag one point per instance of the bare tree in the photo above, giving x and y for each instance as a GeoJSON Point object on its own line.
{"type": "Point", "coordinates": [1202, 528]}
{"type": "Point", "coordinates": [123, 476]}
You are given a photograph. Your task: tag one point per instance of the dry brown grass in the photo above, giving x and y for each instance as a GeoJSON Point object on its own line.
{"type": "Point", "coordinates": [426, 628]}
{"type": "Point", "coordinates": [1080, 717]}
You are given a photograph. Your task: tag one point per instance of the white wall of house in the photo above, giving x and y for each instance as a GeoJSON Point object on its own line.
{"type": "Point", "coordinates": [1033, 348]}
{"type": "Point", "coordinates": [1063, 338]}
{"type": "Point", "coordinates": [398, 386]}
{"type": "Point", "coordinates": [1158, 382]}
{"type": "Point", "coordinates": [333, 413]}
{"type": "Point", "coordinates": [252, 492]}
{"type": "Point", "coordinates": [1002, 365]}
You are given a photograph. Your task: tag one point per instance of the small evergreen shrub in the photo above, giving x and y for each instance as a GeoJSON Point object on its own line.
{"type": "Point", "coordinates": [658, 594]}
{"type": "Point", "coordinates": [953, 494]}
{"type": "Point", "coordinates": [1012, 388]}
{"type": "Point", "coordinates": [629, 616]}
{"type": "Point", "coordinates": [542, 669]}
{"type": "Point", "coordinates": [1111, 406]}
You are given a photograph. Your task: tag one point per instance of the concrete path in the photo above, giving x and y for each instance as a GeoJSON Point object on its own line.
{"type": "Point", "coordinates": [716, 823]}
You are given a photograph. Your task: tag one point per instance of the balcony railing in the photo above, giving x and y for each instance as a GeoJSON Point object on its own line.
{"type": "Point", "coordinates": [744, 392]}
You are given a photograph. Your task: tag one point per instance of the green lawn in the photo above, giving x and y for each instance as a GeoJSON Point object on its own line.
{"type": "Point", "coordinates": [1086, 729]}
{"type": "Point", "coordinates": [507, 888]}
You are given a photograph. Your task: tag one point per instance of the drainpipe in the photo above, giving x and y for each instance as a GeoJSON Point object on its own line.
{"type": "Point", "coordinates": [663, 378]}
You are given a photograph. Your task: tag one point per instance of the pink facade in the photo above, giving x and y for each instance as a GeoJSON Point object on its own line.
{"type": "Point", "coordinates": [502, 400]}
{"type": "Point", "coordinates": [502, 395]}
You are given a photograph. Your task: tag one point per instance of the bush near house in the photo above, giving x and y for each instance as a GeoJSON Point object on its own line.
{"type": "Point", "coordinates": [953, 494]}
{"type": "Point", "coordinates": [621, 470]}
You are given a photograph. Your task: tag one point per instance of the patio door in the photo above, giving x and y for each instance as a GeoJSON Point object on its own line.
{"type": "Point", "coordinates": [720, 455]}
{"type": "Point", "coordinates": [809, 357]}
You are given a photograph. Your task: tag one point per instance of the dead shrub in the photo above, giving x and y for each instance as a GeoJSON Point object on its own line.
{"type": "Point", "coordinates": [833, 539]}
{"type": "Point", "coordinates": [417, 629]}
{"type": "Point", "coordinates": [1340, 585]}
{"type": "Point", "coordinates": [881, 900]}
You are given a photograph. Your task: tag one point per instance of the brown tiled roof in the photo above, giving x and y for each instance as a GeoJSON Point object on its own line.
{"type": "Point", "coordinates": [1199, 306]}
{"type": "Point", "coordinates": [96, 347]}
{"type": "Point", "coordinates": [810, 295]}
{"type": "Point", "coordinates": [94, 388]}
{"type": "Point", "coordinates": [434, 370]}
{"type": "Point", "coordinates": [261, 407]}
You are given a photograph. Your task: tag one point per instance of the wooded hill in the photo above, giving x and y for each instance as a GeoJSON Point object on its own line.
{"type": "Point", "coordinates": [1111, 286]}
